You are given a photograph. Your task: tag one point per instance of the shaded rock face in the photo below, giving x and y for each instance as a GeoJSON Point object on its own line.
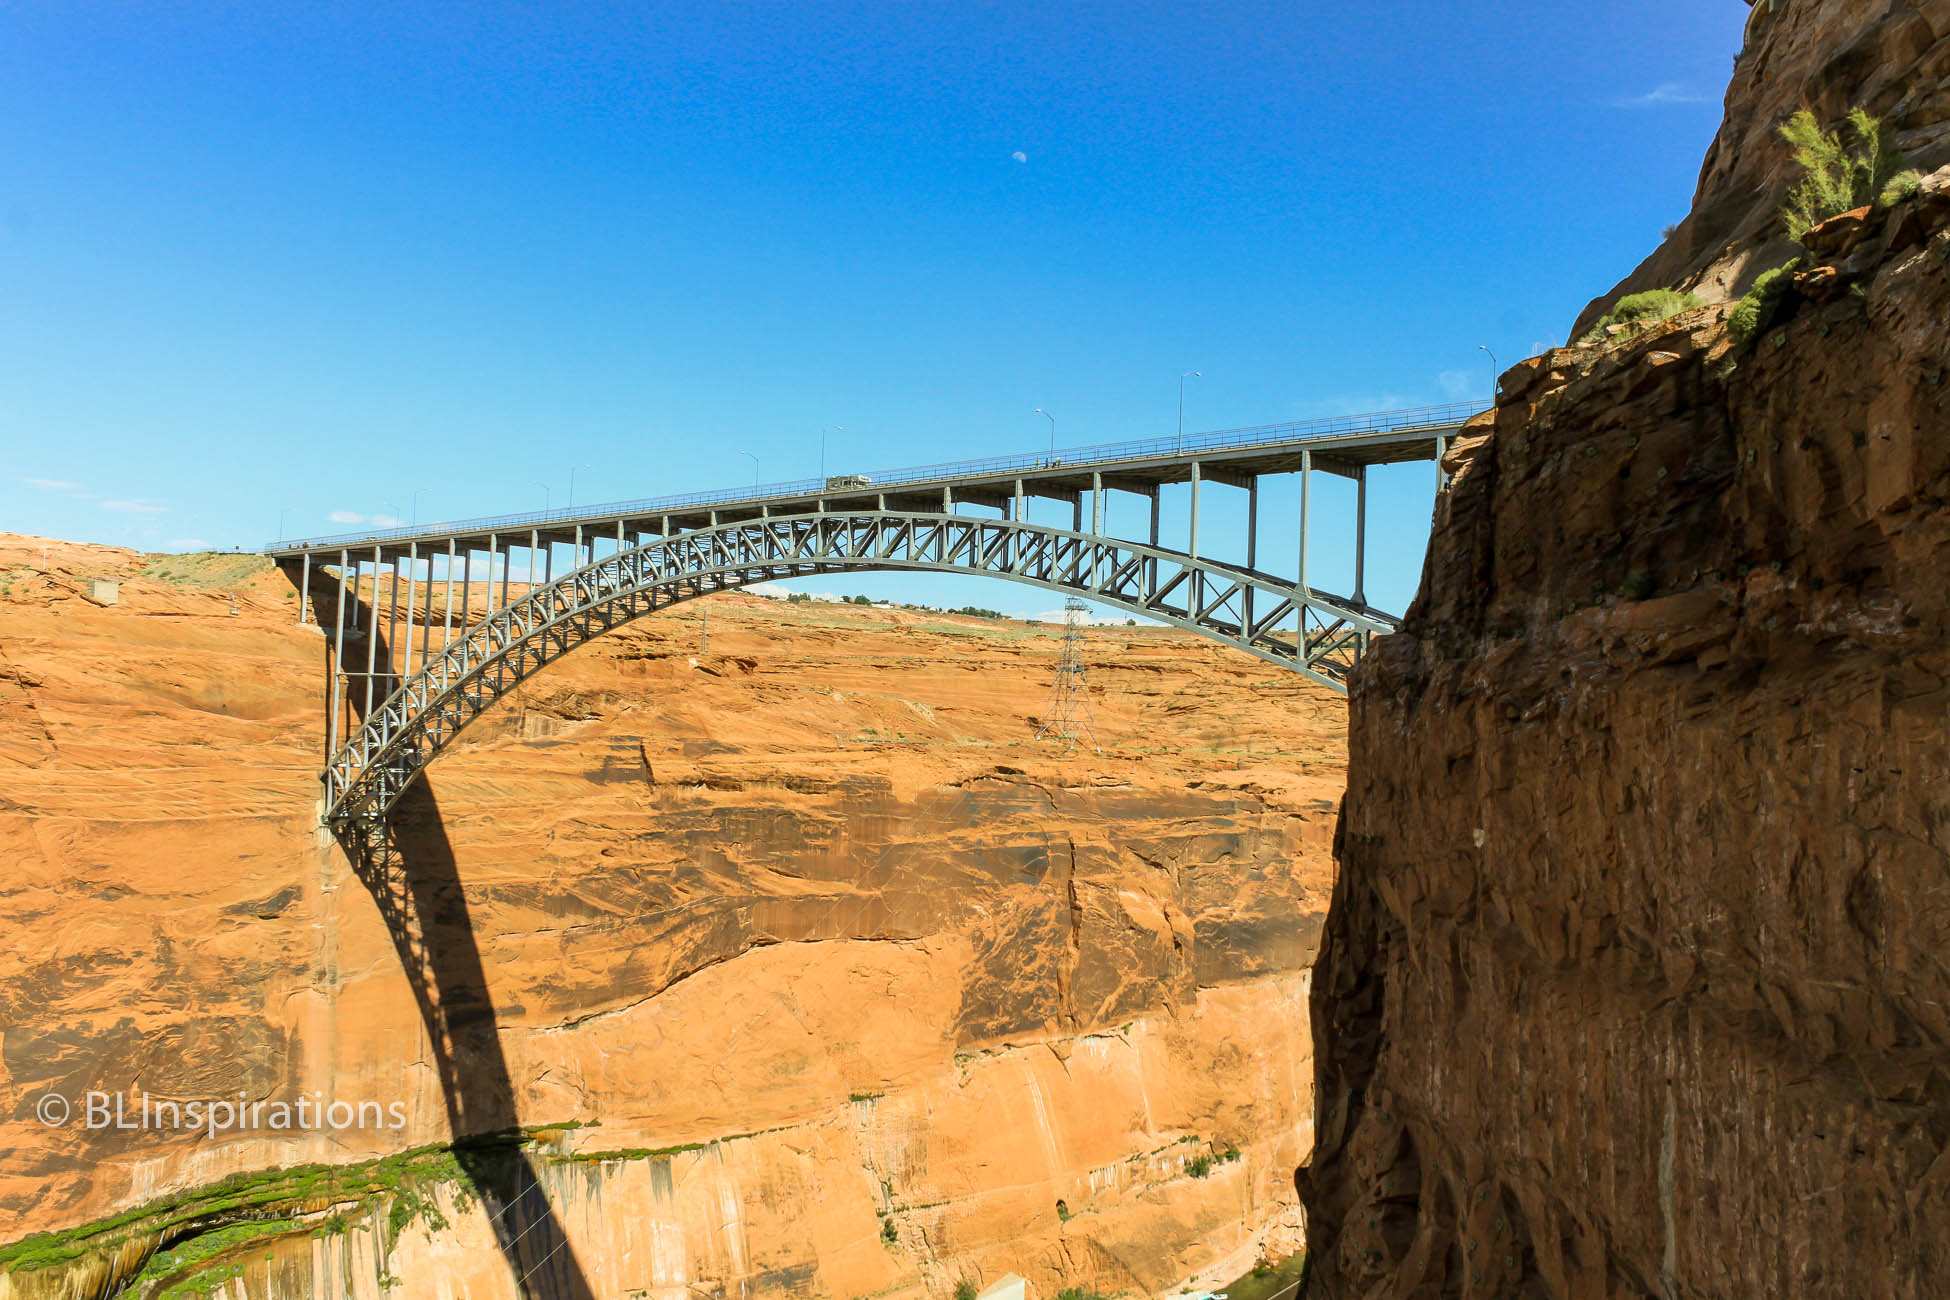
{"type": "Point", "coordinates": [806, 969]}
{"type": "Point", "coordinates": [1891, 57]}
{"type": "Point", "coordinates": [1632, 982]}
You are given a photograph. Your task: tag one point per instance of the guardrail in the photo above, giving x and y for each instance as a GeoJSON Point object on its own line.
{"type": "Point", "coordinates": [1109, 453]}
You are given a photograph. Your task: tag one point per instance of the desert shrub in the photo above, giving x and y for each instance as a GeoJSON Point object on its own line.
{"type": "Point", "coordinates": [1643, 309]}
{"type": "Point", "coordinates": [1199, 1166]}
{"type": "Point", "coordinates": [964, 1290]}
{"type": "Point", "coordinates": [1840, 175]}
{"type": "Point", "coordinates": [1078, 1293]}
{"type": "Point", "coordinates": [1755, 312]}
{"type": "Point", "coordinates": [1901, 186]}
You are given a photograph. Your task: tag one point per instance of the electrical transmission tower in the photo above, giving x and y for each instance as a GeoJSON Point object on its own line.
{"type": "Point", "coordinates": [1069, 700]}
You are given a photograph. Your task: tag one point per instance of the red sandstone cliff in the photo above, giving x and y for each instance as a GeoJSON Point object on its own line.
{"type": "Point", "coordinates": [1633, 982]}
{"type": "Point", "coordinates": [810, 972]}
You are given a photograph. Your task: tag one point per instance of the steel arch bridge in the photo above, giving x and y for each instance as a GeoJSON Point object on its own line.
{"type": "Point", "coordinates": [1317, 634]}
{"type": "Point", "coordinates": [387, 721]}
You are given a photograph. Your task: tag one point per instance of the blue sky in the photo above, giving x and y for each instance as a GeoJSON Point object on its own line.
{"type": "Point", "coordinates": [267, 264]}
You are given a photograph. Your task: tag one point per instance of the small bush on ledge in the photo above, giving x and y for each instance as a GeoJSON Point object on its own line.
{"type": "Point", "coordinates": [1757, 310]}
{"type": "Point", "coordinates": [1642, 309]}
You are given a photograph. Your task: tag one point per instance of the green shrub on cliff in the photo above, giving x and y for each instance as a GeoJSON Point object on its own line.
{"type": "Point", "coordinates": [1839, 176]}
{"type": "Point", "coordinates": [964, 1290]}
{"type": "Point", "coordinates": [1643, 309]}
{"type": "Point", "coordinates": [1756, 311]}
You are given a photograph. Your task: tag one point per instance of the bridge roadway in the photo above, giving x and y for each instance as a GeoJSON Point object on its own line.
{"type": "Point", "coordinates": [1346, 446]}
{"type": "Point", "coordinates": [389, 717]}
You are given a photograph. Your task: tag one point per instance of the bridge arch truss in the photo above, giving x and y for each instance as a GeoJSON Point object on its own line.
{"type": "Point", "coordinates": [1296, 627]}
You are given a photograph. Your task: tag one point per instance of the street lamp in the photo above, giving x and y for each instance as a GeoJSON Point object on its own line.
{"type": "Point", "coordinates": [1496, 372]}
{"type": "Point", "coordinates": [754, 461]}
{"type": "Point", "coordinates": [831, 428]}
{"type": "Point", "coordinates": [394, 507]}
{"type": "Point", "coordinates": [546, 496]}
{"type": "Point", "coordinates": [572, 484]}
{"type": "Point", "coordinates": [1052, 430]}
{"type": "Point", "coordinates": [416, 503]}
{"type": "Point", "coordinates": [281, 514]}
{"type": "Point", "coordinates": [1189, 374]}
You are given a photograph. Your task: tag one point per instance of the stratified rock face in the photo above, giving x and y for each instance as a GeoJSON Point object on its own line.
{"type": "Point", "coordinates": [810, 972]}
{"type": "Point", "coordinates": [1891, 57]}
{"type": "Point", "coordinates": [1633, 983]}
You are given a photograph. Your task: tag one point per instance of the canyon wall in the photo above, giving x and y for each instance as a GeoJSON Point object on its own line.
{"type": "Point", "coordinates": [804, 968]}
{"type": "Point", "coordinates": [1633, 981]}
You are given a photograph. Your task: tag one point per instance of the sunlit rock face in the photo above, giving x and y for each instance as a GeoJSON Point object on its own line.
{"type": "Point", "coordinates": [1890, 57]}
{"type": "Point", "coordinates": [1630, 985]}
{"type": "Point", "coordinates": [803, 967]}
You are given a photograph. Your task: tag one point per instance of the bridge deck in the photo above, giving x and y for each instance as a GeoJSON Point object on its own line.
{"type": "Point", "coordinates": [1344, 446]}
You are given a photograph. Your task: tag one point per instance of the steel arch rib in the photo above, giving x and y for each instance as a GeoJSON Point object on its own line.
{"type": "Point", "coordinates": [424, 714]}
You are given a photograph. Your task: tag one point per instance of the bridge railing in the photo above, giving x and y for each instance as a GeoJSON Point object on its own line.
{"type": "Point", "coordinates": [1108, 453]}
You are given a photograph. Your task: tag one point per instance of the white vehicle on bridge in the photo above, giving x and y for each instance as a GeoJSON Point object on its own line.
{"type": "Point", "coordinates": [848, 482]}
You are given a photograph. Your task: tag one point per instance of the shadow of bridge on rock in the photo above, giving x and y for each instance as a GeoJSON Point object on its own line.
{"type": "Point", "coordinates": [407, 864]}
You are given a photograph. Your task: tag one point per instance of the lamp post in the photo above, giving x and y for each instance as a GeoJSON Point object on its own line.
{"type": "Point", "coordinates": [1189, 374]}
{"type": "Point", "coordinates": [416, 503]}
{"type": "Point", "coordinates": [281, 514]}
{"type": "Point", "coordinates": [572, 484]}
{"type": "Point", "coordinates": [831, 428]}
{"type": "Point", "coordinates": [547, 497]}
{"type": "Point", "coordinates": [1496, 372]}
{"type": "Point", "coordinates": [1052, 430]}
{"type": "Point", "coordinates": [754, 461]}
{"type": "Point", "coordinates": [394, 507]}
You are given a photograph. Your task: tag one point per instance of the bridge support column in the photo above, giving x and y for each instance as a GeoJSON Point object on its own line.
{"type": "Point", "coordinates": [1306, 501]}
{"type": "Point", "coordinates": [412, 579]}
{"type": "Point", "coordinates": [338, 665]}
{"type": "Point", "coordinates": [494, 545]}
{"type": "Point", "coordinates": [1441, 450]}
{"type": "Point", "coordinates": [1156, 493]}
{"type": "Point", "coordinates": [304, 589]}
{"type": "Point", "coordinates": [1096, 527]}
{"type": "Point", "coordinates": [447, 610]}
{"type": "Point", "coordinates": [1304, 591]}
{"type": "Point", "coordinates": [372, 633]}
{"type": "Point", "coordinates": [426, 625]}
{"type": "Point", "coordinates": [1252, 554]}
{"type": "Point", "coordinates": [1360, 532]}
{"type": "Point", "coordinates": [392, 631]}
{"type": "Point", "coordinates": [466, 589]}
{"type": "Point", "coordinates": [1017, 510]}
{"type": "Point", "coordinates": [1197, 583]}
